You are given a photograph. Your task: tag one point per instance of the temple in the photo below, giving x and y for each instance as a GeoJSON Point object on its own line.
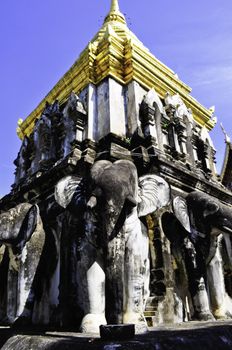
{"type": "Point", "coordinates": [117, 214]}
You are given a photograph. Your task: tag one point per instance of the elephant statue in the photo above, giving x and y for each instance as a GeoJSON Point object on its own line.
{"type": "Point", "coordinates": [22, 240]}
{"type": "Point", "coordinates": [204, 219]}
{"type": "Point", "coordinates": [113, 269]}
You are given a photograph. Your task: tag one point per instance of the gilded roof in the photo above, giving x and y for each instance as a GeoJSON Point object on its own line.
{"type": "Point", "coordinates": [115, 51]}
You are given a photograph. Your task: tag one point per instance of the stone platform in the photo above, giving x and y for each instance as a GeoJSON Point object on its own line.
{"type": "Point", "coordinates": [187, 336]}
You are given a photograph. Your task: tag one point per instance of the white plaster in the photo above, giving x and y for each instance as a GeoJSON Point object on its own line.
{"type": "Point", "coordinates": [201, 301]}
{"type": "Point", "coordinates": [177, 102]}
{"type": "Point", "coordinates": [136, 278]}
{"type": "Point", "coordinates": [176, 141]}
{"type": "Point", "coordinates": [111, 115]}
{"type": "Point", "coordinates": [65, 189]}
{"type": "Point", "coordinates": [154, 193]}
{"type": "Point", "coordinates": [152, 97]}
{"type": "Point", "coordinates": [206, 136]}
{"type": "Point", "coordinates": [23, 290]}
{"type": "Point", "coordinates": [165, 139]}
{"type": "Point", "coordinates": [150, 130]}
{"type": "Point", "coordinates": [92, 112]}
{"type": "Point", "coordinates": [117, 108]}
{"type": "Point", "coordinates": [103, 111]}
{"type": "Point", "coordinates": [92, 322]}
{"type": "Point", "coordinates": [135, 95]}
{"type": "Point", "coordinates": [220, 301]}
{"type": "Point", "coordinates": [96, 288]}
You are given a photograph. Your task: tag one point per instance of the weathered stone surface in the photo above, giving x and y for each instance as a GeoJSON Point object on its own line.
{"type": "Point", "coordinates": [85, 260]}
{"type": "Point", "coordinates": [117, 332]}
{"type": "Point", "coordinates": [188, 336]}
{"type": "Point", "coordinates": [114, 263]}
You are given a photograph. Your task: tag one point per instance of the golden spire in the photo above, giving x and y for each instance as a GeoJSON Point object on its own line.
{"type": "Point", "coordinates": [114, 6]}
{"type": "Point", "coordinates": [115, 14]}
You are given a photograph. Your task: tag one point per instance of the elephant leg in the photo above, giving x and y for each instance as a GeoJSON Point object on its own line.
{"type": "Point", "coordinates": [195, 270]}
{"type": "Point", "coordinates": [220, 301]}
{"type": "Point", "coordinates": [21, 274]}
{"type": "Point", "coordinates": [27, 266]}
{"type": "Point", "coordinates": [115, 279]}
{"type": "Point", "coordinates": [12, 283]}
{"type": "Point", "coordinates": [91, 288]}
{"type": "Point", "coordinates": [137, 275]}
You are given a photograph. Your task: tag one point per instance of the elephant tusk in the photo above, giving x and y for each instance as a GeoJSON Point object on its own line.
{"type": "Point", "coordinates": [226, 229]}
{"type": "Point", "coordinates": [92, 202]}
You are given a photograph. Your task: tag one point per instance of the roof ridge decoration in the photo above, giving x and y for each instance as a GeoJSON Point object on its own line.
{"type": "Point", "coordinates": [227, 138]}
{"type": "Point", "coordinates": [226, 165]}
{"type": "Point", "coordinates": [115, 13]}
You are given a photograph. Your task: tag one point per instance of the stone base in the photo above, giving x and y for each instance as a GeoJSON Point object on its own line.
{"type": "Point", "coordinates": [117, 332]}
{"type": "Point", "coordinates": [187, 336]}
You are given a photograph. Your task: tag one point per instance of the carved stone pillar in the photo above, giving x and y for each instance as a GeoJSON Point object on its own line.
{"type": "Point", "coordinates": [182, 136]}
{"type": "Point", "coordinates": [194, 145]}
{"type": "Point", "coordinates": [206, 159]}
{"type": "Point", "coordinates": [147, 118]}
{"type": "Point", "coordinates": [165, 121]}
{"type": "Point", "coordinates": [75, 120]}
{"type": "Point", "coordinates": [175, 149]}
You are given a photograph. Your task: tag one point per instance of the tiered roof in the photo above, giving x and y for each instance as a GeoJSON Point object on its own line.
{"type": "Point", "coordinates": [116, 52]}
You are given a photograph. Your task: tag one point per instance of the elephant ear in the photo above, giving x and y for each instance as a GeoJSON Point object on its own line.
{"type": "Point", "coordinates": [12, 220]}
{"type": "Point", "coordinates": [66, 188]}
{"type": "Point", "coordinates": [27, 228]}
{"type": "Point", "coordinates": [181, 212]}
{"type": "Point", "coordinates": [153, 194]}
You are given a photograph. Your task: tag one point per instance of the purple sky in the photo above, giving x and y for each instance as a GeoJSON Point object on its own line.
{"type": "Point", "coordinates": [40, 40]}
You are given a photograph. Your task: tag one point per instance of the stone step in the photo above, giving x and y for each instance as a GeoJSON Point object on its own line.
{"type": "Point", "coordinates": [186, 336]}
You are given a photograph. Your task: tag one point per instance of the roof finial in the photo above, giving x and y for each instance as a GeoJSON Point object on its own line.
{"type": "Point", "coordinates": [115, 14]}
{"type": "Point", "coordinates": [227, 138]}
{"type": "Point", "coordinates": [114, 6]}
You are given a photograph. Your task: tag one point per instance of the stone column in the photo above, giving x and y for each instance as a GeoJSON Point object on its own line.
{"type": "Point", "coordinates": [111, 114]}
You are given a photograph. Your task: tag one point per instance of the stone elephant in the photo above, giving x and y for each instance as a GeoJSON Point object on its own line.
{"type": "Point", "coordinates": [204, 219]}
{"type": "Point", "coordinates": [113, 269]}
{"type": "Point", "coordinates": [22, 240]}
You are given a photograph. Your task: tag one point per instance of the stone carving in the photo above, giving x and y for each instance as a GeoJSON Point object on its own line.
{"type": "Point", "coordinates": [113, 269]}
{"type": "Point", "coordinates": [152, 99]}
{"type": "Point", "coordinates": [44, 150]}
{"type": "Point", "coordinates": [177, 113]}
{"type": "Point", "coordinates": [22, 240]}
{"type": "Point", "coordinates": [205, 218]}
{"type": "Point", "coordinates": [150, 112]}
{"type": "Point", "coordinates": [23, 161]}
{"type": "Point", "coordinates": [177, 103]}
{"type": "Point", "coordinates": [75, 119]}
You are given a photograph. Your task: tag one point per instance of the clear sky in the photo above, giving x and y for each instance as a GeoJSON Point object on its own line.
{"type": "Point", "coordinates": [40, 40]}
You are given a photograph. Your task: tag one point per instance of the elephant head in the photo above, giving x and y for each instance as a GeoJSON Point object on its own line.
{"type": "Point", "coordinates": [115, 191]}
{"type": "Point", "coordinates": [17, 225]}
{"type": "Point", "coordinates": [118, 199]}
{"type": "Point", "coordinates": [205, 218]}
{"type": "Point", "coordinates": [22, 236]}
{"type": "Point", "coordinates": [204, 214]}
